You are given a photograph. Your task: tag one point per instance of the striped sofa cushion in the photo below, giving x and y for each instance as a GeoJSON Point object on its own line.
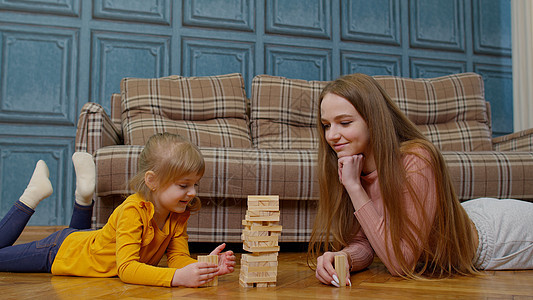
{"type": "Point", "coordinates": [210, 111]}
{"type": "Point", "coordinates": [283, 112]}
{"type": "Point", "coordinates": [449, 110]}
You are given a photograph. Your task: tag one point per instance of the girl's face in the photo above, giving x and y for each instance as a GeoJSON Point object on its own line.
{"type": "Point", "coordinates": [176, 196]}
{"type": "Point", "coordinates": [344, 128]}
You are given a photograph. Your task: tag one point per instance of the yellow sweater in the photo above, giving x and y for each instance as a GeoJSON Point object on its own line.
{"type": "Point", "coordinates": [130, 245]}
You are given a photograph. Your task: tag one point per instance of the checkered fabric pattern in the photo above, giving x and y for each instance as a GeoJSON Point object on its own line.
{"type": "Point", "coordinates": [283, 112]}
{"type": "Point", "coordinates": [503, 170]}
{"type": "Point", "coordinates": [210, 111]}
{"type": "Point", "coordinates": [449, 110]}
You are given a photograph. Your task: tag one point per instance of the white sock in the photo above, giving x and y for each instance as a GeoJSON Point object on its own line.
{"type": "Point", "coordinates": [85, 177]}
{"type": "Point", "coordinates": [39, 187]}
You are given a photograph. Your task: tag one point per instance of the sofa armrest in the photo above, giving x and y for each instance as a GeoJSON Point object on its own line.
{"type": "Point", "coordinates": [518, 141]}
{"type": "Point", "coordinates": [96, 130]}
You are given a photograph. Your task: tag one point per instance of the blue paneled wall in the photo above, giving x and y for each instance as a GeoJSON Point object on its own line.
{"type": "Point", "coordinates": [57, 55]}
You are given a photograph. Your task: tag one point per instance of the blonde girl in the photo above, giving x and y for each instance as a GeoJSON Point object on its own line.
{"type": "Point", "coordinates": [385, 190]}
{"type": "Point", "coordinates": [148, 224]}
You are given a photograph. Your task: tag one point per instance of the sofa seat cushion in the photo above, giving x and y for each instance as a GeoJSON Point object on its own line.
{"type": "Point", "coordinates": [283, 112]}
{"type": "Point", "coordinates": [450, 110]}
{"type": "Point", "coordinates": [210, 111]}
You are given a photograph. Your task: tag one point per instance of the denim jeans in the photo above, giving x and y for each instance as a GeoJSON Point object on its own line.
{"type": "Point", "coordinates": [36, 256]}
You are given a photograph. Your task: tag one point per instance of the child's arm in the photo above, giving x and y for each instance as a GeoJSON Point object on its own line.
{"type": "Point", "coordinates": [191, 273]}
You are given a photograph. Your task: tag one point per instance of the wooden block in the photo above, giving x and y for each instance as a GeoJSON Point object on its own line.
{"type": "Point", "coordinates": [260, 257]}
{"type": "Point", "coordinates": [340, 269]}
{"type": "Point", "coordinates": [263, 197]}
{"type": "Point", "coordinates": [244, 284]}
{"type": "Point", "coordinates": [263, 208]}
{"type": "Point", "coordinates": [274, 216]}
{"type": "Point", "coordinates": [262, 213]}
{"type": "Point", "coordinates": [259, 249]}
{"type": "Point", "coordinates": [210, 259]}
{"type": "Point", "coordinates": [259, 226]}
{"type": "Point", "coordinates": [267, 238]}
{"type": "Point", "coordinates": [247, 279]}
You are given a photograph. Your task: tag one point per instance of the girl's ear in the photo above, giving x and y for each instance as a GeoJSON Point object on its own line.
{"type": "Point", "coordinates": [150, 179]}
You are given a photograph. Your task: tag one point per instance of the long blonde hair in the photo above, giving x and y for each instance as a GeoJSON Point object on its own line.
{"type": "Point", "coordinates": [450, 247]}
{"type": "Point", "coordinates": [169, 156]}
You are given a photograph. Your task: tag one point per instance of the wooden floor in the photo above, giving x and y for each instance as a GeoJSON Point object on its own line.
{"type": "Point", "coordinates": [295, 281]}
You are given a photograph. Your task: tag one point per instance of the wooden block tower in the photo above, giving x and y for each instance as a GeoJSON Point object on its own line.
{"type": "Point", "coordinates": [260, 237]}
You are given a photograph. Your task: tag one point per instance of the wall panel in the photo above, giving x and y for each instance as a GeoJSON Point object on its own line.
{"type": "Point", "coordinates": [370, 63]}
{"type": "Point", "coordinates": [437, 24]}
{"type": "Point", "coordinates": [38, 69]}
{"type": "Point", "coordinates": [203, 57]}
{"type": "Point", "coordinates": [375, 21]}
{"type": "Point", "coordinates": [18, 157]}
{"type": "Point", "coordinates": [223, 14]}
{"type": "Point", "coordinates": [299, 17]}
{"type": "Point", "coordinates": [118, 55]}
{"type": "Point", "coordinates": [302, 63]}
{"type": "Point", "coordinates": [63, 7]}
{"type": "Point", "coordinates": [498, 83]}
{"type": "Point", "coordinates": [428, 68]}
{"type": "Point", "coordinates": [490, 19]}
{"type": "Point", "coordinates": [149, 11]}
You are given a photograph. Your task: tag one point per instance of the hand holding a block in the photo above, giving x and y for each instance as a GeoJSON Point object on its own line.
{"type": "Point", "coordinates": [195, 274]}
{"type": "Point", "coordinates": [333, 268]}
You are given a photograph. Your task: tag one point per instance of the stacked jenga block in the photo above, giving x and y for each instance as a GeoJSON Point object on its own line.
{"type": "Point", "coordinates": [209, 259]}
{"type": "Point", "coordinates": [260, 237]}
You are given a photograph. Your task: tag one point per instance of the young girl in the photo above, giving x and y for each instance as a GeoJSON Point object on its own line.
{"type": "Point", "coordinates": [145, 226]}
{"type": "Point", "coordinates": [375, 164]}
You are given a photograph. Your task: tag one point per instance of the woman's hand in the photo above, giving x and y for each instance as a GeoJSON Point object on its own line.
{"type": "Point", "coordinates": [350, 168]}
{"type": "Point", "coordinates": [226, 260]}
{"type": "Point", "coordinates": [325, 270]}
{"type": "Point", "coordinates": [195, 274]}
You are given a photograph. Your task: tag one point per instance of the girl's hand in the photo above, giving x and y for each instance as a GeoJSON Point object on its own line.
{"type": "Point", "coordinates": [226, 260]}
{"type": "Point", "coordinates": [325, 270]}
{"type": "Point", "coordinates": [195, 274]}
{"type": "Point", "coordinates": [350, 168]}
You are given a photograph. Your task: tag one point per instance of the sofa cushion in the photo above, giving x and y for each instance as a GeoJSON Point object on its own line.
{"type": "Point", "coordinates": [210, 111]}
{"type": "Point", "coordinates": [283, 112]}
{"type": "Point", "coordinates": [449, 110]}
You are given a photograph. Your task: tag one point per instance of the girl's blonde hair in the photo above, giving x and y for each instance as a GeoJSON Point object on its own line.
{"type": "Point", "coordinates": [169, 156]}
{"type": "Point", "coordinates": [450, 247]}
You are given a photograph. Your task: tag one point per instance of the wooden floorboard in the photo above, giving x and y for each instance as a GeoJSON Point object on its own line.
{"type": "Point", "coordinates": [295, 281]}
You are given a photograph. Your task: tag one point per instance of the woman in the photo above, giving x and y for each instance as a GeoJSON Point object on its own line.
{"type": "Point", "coordinates": [375, 164]}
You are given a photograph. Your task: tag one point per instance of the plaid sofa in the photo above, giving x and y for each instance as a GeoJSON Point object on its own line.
{"type": "Point", "coordinates": [266, 145]}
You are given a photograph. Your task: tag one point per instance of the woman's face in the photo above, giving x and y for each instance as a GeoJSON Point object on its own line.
{"type": "Point", "coordinates": [344, 128]}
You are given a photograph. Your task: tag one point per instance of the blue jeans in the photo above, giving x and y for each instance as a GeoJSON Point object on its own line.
{"type": "Point", "coordinates": [37, 256]}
